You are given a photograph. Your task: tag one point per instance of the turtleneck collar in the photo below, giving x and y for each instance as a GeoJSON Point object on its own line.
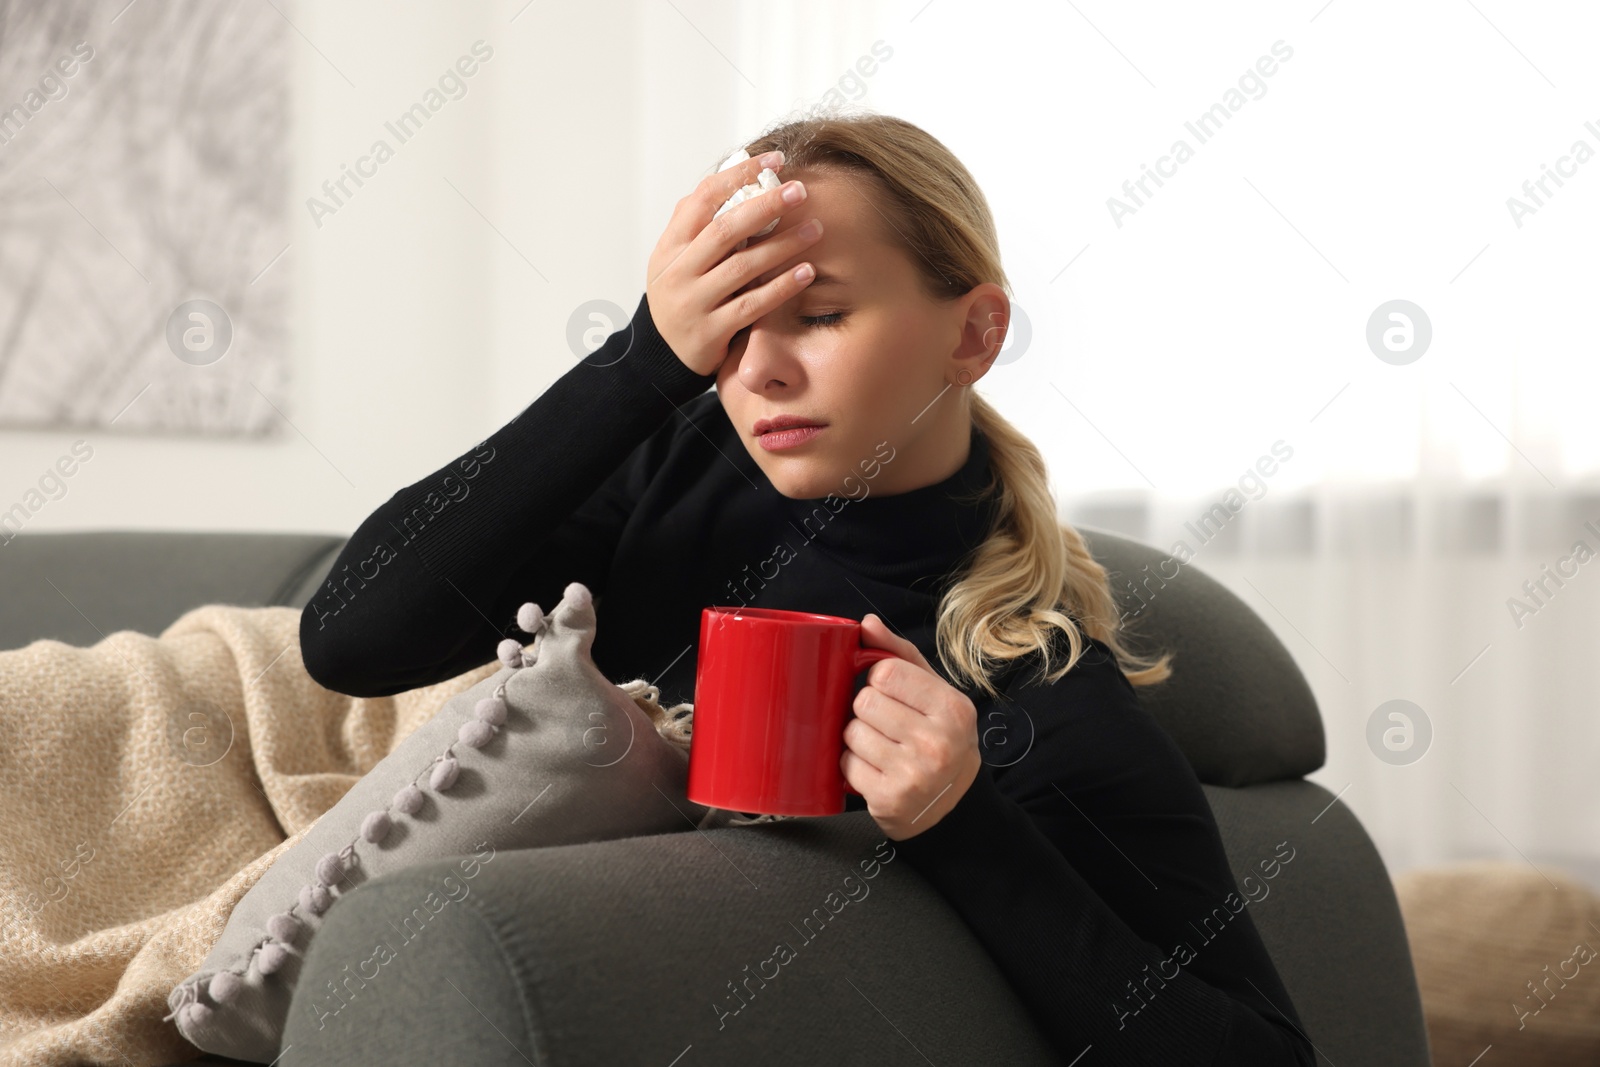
{"type": "Point", "coordinates": [902, 537]}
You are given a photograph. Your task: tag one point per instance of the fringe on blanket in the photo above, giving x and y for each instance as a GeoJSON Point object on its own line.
{"type": "Point", "coordinates": [676, 725]}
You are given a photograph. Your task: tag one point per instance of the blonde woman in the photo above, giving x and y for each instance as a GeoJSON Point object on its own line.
{"type": "Point", "coordinates": [791, 423]}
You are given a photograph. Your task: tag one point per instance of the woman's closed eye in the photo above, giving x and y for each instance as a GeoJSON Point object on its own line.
{"type": "Point", "coordinates": [830, 319]}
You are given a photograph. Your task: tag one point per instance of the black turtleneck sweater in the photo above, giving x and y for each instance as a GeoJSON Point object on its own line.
{"type": "Point", "coordinates": [1084, 856]}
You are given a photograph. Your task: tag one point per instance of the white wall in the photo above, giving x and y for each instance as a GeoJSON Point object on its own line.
{"type": "Point", "coordinates": [416, 328]}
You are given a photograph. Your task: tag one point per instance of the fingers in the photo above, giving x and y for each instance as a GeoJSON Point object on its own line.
{"type": "Point", "coordinates": [921, 691]}
{"type": "Point", "coordinates": [715, 243]}
{"type": "Point", "coordinates": [715, 189]}
{"type": "Point", "coordinates": [751, 216]}
{"type": "Point", "coordinates": [859, 773]}
{"type": "Point", "coordinates": [750, 268]}
{"type": "Point", "coordinates": [696, 209]}
{"type": "Point", "coordinates": [712, 246]}
{"type": "Point", "coordinates": [869, 744]}
{"type": "Point", "coordinates": [748, 306]}
{"type": "Point", "coordinates": [696, 254]}
{"type": "Point", "coordinates": [878, 635]}
{"type": "Point", "coordinates": [888, 716]}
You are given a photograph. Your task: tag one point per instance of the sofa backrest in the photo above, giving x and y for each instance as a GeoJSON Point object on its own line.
{"type": "Point", "coordinates": [81, 587]}
{"type": "Point", "coordinates": [1237, 726]}
{"type": "Point", "coordinates": [1237, 703]}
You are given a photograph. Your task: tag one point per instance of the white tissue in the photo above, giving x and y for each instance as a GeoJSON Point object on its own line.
{"type": "Point", "coordinates": [767, 179]}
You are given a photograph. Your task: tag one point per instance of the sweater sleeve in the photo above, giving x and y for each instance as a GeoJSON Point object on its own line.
{"type": "Point", "coordinates": [1087, 861]}
{"type": "Point", "coordinates": [430, 582]}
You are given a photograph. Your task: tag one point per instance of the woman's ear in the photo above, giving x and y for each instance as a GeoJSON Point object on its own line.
{"type": "Point", "coordinates": [983, 333]}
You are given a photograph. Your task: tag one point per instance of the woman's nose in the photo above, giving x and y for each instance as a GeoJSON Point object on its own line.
{"type": "Point", "coordinates": [766, 362]}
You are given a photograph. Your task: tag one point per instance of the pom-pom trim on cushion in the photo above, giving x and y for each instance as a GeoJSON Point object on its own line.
{"type": "Point", "coordinates": [375, 827]}
{"type": "Point", "coordinates": [314, 899]}
{"type": "Point", "coordinates": [408, 801]}
{"type": "Point", "coordinates": [283, 926]}
{"type": "Point", "coordinates": [674, 724]}
{"type": "Point", "coordinates": [492, 710]}
{"type": "Point", "coordinates": [444, 774]}
{"type": "Point", "coordinates": [270, 956]}
{"type": "Point", "coordinates": [475, 733]}
{"type": "Point", "coordinates": [272, 951]}
{"type": "Point", "coordinates": [224, 986]}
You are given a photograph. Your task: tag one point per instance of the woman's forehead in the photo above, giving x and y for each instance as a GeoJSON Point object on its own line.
{"type": "Point", "coordinates": [852, 249]}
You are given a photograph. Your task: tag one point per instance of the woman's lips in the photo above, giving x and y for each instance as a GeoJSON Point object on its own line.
{"type": "Point", "coordinates": [777, 440]}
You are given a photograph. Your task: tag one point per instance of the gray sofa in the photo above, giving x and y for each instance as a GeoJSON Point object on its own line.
{"type": "Point", "coordinates": [616, 952]}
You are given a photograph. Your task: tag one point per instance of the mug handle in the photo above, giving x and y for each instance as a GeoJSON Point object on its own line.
{"type": "Point", "coordinates": [864, 658]}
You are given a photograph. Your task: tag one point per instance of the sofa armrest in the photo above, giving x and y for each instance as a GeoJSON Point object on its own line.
{"type": "Point", "coordinates": [634, 950]}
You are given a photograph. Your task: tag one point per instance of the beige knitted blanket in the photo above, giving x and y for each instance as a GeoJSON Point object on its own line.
{"type": "Point", "coordinates": [145, 785]}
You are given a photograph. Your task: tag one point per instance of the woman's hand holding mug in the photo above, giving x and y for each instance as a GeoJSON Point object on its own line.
{"type": "Point", "coordinates": [911, 749]}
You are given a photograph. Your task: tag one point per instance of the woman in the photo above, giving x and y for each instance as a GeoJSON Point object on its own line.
{"type": "Point", "coordinates": [1075, 840]}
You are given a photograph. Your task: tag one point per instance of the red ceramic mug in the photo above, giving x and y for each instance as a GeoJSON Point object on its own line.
{"type": "Point", "coordinates": [771, 697]}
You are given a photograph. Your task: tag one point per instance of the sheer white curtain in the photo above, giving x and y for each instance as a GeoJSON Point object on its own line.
{"type": "Point", "coordinates": [1404, 593]}
{"type": "Point", "coordinates": [1170, 335]}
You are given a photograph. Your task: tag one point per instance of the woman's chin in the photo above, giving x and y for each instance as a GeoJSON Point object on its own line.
{"type": "Point", "coordinates": [800, 479]}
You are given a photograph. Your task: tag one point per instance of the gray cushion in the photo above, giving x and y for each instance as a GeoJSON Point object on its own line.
{"type": "Point", "coordinates": [549, 753]}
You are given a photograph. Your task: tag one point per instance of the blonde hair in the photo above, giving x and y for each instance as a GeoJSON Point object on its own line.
{"type": "Point", "coordinates": [1032, 579]}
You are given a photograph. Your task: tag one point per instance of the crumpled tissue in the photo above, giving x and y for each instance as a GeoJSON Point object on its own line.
{"type": "Point", "coordinates": [767, 179]}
